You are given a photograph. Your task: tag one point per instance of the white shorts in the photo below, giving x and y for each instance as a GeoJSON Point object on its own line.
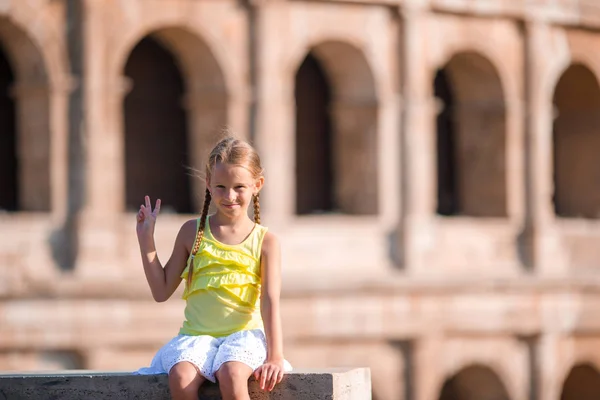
{"type": "Point", "coordinates": [208, 353]}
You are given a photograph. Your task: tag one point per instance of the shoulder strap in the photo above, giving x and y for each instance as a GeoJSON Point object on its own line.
{"type": "Point", "coordinates": [262, 231]}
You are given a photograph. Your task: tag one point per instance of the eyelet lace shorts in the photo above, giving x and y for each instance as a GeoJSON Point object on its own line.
{"type": "Point", "coordinates": [208, 353]}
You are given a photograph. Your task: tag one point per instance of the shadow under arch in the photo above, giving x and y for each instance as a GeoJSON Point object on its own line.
{"type": "Point", "coordinates": [474, 382]}
{"type": "Point", "coordinates": [576, 143]}
{"type": "Point", "coordinates": [582, 383]}
{"type": "Point", "coordinates": [9, 183]}
{"type": "Point", "coordinates": [344, 109]}
{"type": "Point", "coordinates": [28, 91]}
{"type": "Point", "coordinates": [471, 138]}
{"type": "Point", "coordinates": [198, 105]}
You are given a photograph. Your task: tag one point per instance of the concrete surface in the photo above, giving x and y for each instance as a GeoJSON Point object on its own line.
{"type": "Point", "coordinates": [330, 384]}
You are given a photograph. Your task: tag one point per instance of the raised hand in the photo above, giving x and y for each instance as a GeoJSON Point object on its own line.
{"type": "Point", "coordinates": [146, 217]}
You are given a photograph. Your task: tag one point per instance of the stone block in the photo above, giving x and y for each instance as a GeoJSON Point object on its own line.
{"type": "Point", "coordinates": [329, 384]}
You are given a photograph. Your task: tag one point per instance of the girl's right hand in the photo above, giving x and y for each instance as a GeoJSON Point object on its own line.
{"type": "Point", "coordinates": [146, 218]}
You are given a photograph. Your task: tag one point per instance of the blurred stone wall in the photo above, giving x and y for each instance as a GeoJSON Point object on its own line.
{"type": "Point", "coordinates": [430, 169]}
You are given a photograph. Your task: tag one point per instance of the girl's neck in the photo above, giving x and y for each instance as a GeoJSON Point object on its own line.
{"type": "Point", "coordinates": [241, 221]}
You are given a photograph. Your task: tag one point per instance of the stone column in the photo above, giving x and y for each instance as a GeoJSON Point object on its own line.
{"type": "Point", "coordinates": [58, 98]}
{"type": "Point", "coordinates": [540, 236]}
{"type": "Point", "coordinates": [274, 112]}
{"type": "Point", "coordinates": [515, 111]}
{"type": "Point", "coordinates": [426, 369]}
{"type": "Point", "coordinates": [106, 152]}
{"type": "Point", "coordinates": [418, 141]}
{"type": "Point", "coordinates": [550, 367]}
{"type": "Point", "coordinates": [388, 149]}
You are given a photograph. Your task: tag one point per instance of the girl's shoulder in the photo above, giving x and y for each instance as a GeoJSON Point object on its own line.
{"type": "Point", "coordinates": [188, 231]}
{"type": "Point", "coordinates": [270, 242]}
{"type": "Point", "coordinates": [190, 225]}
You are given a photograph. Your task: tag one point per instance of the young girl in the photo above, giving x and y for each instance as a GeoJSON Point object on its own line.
{"type": "Point", "coordinates": [231, 266]}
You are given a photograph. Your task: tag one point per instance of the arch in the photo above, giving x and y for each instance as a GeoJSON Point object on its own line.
{"type": "Point", "coordinates": [349, 71]}
{"type": "Point", "coordinates": [25, 94]}
{"type": "Point", "coordinates": [8, 138]}
{"type": "Point", "coordinates": [196, 107]}
{"type": "Point", "coordinates": [314, 181]}
{"type": "Point", "coordinates": [155, 129]}
{"type": "Point", "coordinates": [471, 138]}
{"type": "Point", "coordinates": [582, 383]}
{"type": "Point", "coordinates": [474, 382]}
{"type": "Point", "coordinates": [576, 143]}
{"type": "Point", "coordinates": [197, 60]}
{"type": "Point", "coordinates": [345, 112]}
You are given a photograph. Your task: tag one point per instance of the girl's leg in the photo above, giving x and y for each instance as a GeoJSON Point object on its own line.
{"type": "Point", "coordinates": [184, 381]}
{"type": "Point", "coordinates": [233, 380]}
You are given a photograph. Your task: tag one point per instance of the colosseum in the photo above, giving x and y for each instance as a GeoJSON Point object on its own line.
{"type": "Point", "coordinates": [421, 165]}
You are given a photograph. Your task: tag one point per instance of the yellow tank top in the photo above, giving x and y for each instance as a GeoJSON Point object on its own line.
{"type": "Point", "coordinates": [224, 296]}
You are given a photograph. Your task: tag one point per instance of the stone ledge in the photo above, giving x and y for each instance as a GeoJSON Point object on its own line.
{"type": "Point", "coordinates": [327, 384]}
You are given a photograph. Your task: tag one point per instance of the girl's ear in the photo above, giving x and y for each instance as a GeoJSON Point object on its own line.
{"type": "Point", "coordinates": [207, 181]}
{"type": "Point", "coordinates": [259, 184]}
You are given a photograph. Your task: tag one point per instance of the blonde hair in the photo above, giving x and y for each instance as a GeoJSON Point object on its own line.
{"type": "Point", "coordinates": [234, 152]}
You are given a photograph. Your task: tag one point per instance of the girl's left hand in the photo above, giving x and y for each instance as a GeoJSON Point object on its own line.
{"type": "Point", "coordinates": [269, 374]}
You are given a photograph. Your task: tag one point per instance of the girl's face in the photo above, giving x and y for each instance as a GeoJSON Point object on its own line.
{"type": "Point", "coordinates": [232, 187]}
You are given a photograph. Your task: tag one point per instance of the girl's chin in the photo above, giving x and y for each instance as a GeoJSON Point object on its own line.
{"type": "Point", "coordinates": [230, 210]}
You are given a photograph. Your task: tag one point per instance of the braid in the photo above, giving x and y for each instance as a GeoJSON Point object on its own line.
{"type": "Point", "coordinates": [256, 208]}
{"type": "Point", "coordinates": [199, 236]}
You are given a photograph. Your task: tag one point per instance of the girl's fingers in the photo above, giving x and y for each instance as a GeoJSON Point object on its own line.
{"type": "Point", "coordinates": [157, 207]}
{"type": "Point", "coordinates": [147, 200]}
{"type": "Point", "coordinates": [263, 378]}
{"type": "Point", "coordinates": [280, 376]}
{"type": "Point", "coordinates": [269, 381]}
{"type": "Point", "coordinates": [273, 380]}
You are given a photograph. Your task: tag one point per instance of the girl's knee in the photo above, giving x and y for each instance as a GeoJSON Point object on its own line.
{"type": "Point", "coordinates": [233, 372]}
{"type": "Point", "coordinates": [184, 376]}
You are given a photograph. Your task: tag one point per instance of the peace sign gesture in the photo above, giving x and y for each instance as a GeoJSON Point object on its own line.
{"type": "Point", "coordinates": [146, 218]}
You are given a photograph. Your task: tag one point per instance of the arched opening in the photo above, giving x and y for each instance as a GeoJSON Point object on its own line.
{"type": "Point", "coordinates": [471, 138]}
{"type": "Point", "coordinates": [156, 143]}
{"type": "Point", "coordinates": [24, 123]}
{"type": "Point", "coordinates": [583, 383]}
{"type": "Point", "coordinates": [576, 142]}
{"type": "Point", "coordinates": [314, 169]}
{"type": "Point", "coordinates": [9, 182]}
{"type": "Point", "coordinates": [447, 191]}
{"type": "Point", "coordinates": [343, 117]}
{"type": "Point", "coordinates": [474, 383]}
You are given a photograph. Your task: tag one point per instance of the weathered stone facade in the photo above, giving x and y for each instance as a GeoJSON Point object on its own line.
{"type": "Point", "coordinates": [430, 171]}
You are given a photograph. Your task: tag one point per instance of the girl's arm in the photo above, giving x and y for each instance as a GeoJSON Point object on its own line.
{"type": "Point", "coordinates": [163, 281]}
{"type": "Point", "coordinates": [272, 372]}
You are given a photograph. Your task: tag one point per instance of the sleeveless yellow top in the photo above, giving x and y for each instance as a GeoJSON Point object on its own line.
{"type": "Point", "coordinates": [224, 296]}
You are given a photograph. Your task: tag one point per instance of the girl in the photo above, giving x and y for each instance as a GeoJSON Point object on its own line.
{"type": "Point", "coordinates": [231, 266]}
